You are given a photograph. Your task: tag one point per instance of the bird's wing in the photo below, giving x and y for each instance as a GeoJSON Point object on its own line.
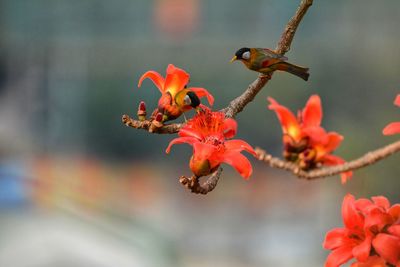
{"type": "Point", "coordinates": [272, 54]}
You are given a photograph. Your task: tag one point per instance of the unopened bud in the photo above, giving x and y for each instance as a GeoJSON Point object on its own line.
{"type": "Point", "coordinates": [156, 123]}
{"type": "Point", "coordinates": [142, 106]}
{"type": "Point", "coordinates": [159, 117]}
{"type": "Point", "coordinates": [142, 111]}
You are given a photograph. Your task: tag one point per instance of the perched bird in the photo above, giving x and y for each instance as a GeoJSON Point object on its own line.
{"type": "Point", "coordinates": [265, 61]}
{"type": "Point", "coordinates": [176, 98]}
{"type": "Point", "coordinates": [174, 106]}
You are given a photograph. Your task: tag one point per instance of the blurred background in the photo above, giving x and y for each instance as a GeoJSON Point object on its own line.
{"type": "Point", "coordinates": [78, 188]}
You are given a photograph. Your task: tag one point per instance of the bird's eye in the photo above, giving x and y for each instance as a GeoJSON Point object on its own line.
{"type": "Point", "coordinates": [186, 100]}
{"type": "Point", "coordinates": [246, 55]}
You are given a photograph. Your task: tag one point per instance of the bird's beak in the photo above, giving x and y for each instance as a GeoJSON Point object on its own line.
{"type": "Point", "coordinates": [233, 59]}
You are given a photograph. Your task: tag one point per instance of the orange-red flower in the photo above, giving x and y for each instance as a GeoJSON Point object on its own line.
{"type": "Point", "coordinates": [207, 133]}
{"type": "Point", "coordinates": [394, 127]}
{"type": "Point", "coordinates": [176, 98]}
{"type": "Point", "coordinates": [373, 261]}
{"type": "Point", "coordinates": [305, 141]}
{"type": "Point", "coordinates": [371, 234]}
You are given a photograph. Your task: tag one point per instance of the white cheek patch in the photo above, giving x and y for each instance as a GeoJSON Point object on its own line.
{"type": "Point", "coordinates": [246, 55]}
{"type": "Point", "coordinates": [186, 100]}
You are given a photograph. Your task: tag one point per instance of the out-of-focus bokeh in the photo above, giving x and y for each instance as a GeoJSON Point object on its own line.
{"type": "Point", "coordinates": [78, 188]}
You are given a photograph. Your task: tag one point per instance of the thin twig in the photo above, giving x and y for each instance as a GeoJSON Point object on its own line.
{"type": "Point", "coordinates": [291, 27]}
{"type": "Point", "coordinates": [238, 104]}
{"type": "Point", "coordinates": [363, 161]}
{"type": "Point", "coordinates": [146, 125]}
{"type": "Point", "coordinates": [194, 185]}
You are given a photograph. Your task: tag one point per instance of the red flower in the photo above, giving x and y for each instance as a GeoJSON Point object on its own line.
{"type": "Point", "coordinates": [371, 233]}
{"type": "Point", "coordinates": [305, 141]}
{"type": "Point", "coordinates": [394, 127]}
{"type": "Point", "coordinates": [373, 261]}
{"type": "Point", "coordinates": [207, 133]}
{"type": "Point", "coordinates": [176, 98]}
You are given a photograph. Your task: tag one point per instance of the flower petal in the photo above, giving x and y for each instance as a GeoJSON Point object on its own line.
{"type": "Point", "coordinates": [381, 201]}
{"type": "Point", "coordinates": [339, 256]}
{"type": "Point", "coordinates": [180, 140]}
{"type": "Point", "coordinates": [312, 113]}
{"type": "Point", "coordinates": [376, 217]}
{"type": "Point", "coordinates": [230, 128]}
{"type": "Point", "coordinates": [397, 100]}
{"type": "Point", "coordinates": [362, 204]}
{"type": "Point", "coordinates": [201, 92]}
{"type": "Point", "coordinates": [175, 80]}
{"type": "Point", "coordinates": [288, 120]}
{"type": "Point", "coordinates": [345, 176]}
{"type": "Point", "coordinates": [335, 238]}
{"type": "Point", "coordinates": [186, 131]}
{"type": "Point", "coordinates": [332, 160]}
{"type": "Point", "coordinates": [334, 140]}
{"type": "Point", "coordinates": [394, 230]}
{"type": "Point", "coordinates": [392, 128]}
{"type": "Point", "coordinates": [351, 217]}
{"type": "Point", "coordinates": [157, 79]}
{"type": "Point", "coordinates": [317, 136]}
{"type": "Point", "coordinates": [388, 247]}
{"type": "Point", "coordinates": [239, 145]}
{"type": "Point", "coordinates": [203, 151]}
{"type": "Point", "coordinates": [394, 211]}
{"type": "Point", "coordinates": [373, 261]}
{"type": "Point", "coordinates": [241, 164]}
{"type": "Point", "coordinates": [361, 252]}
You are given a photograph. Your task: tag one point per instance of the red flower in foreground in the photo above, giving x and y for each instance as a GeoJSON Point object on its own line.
{"type": "Point", "coordinates": [371, 234]}
{"type": "Point", "coordinates": [394, 127]}
{"type": "Point", "coordinates": [207, 133]}
{"type": "Point", "coordinates": [176, 98]}
{"type": "Point", "coordinates": [305, 141]}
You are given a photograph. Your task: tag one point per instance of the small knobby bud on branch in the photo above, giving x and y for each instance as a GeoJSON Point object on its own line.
{"type": "Point", "coordinates": [194, 185]}
{"type": "Point", "coordinates": [142, 111]}
{"type": "Point", "coordinates": [164, 129]}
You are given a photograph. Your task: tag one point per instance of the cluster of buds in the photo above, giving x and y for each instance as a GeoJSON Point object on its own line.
{"type": "Point", "coordinates": [156, 120]}
{"type": "Point", "coordinates": [300, 152]}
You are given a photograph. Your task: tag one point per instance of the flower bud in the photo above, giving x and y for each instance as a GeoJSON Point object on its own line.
{"type": "Point", "coordinates": [156, 123]}
{"type": "Point", "coordinates": [200, 167]}
{"type": "Point", "coordinates": [142, 111]}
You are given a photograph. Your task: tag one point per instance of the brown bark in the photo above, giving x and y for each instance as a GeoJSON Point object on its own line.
{"type": "Point", "coordinates": [367, 159]}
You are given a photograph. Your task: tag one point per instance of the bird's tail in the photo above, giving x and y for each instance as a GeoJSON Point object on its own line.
{"type": "Point", "coordinates": [294, 69]}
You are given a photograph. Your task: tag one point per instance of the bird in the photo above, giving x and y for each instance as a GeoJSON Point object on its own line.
{"type": "Point", "coordinates": [265, 61]}
{"type": "Point", "coordinates": [174, 106]}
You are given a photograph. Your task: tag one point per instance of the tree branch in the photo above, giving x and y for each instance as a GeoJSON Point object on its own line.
{"type": "Point", "coordinates": [291, 27]}
{"type": "Point", "coordinates": [365, 160]}
{"type": "Point", "coordinates": [194, 185]}
{"type": "Point", "coordinates": [238, 104]}
{"type": "Point", "coordinates": [147, 125]}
